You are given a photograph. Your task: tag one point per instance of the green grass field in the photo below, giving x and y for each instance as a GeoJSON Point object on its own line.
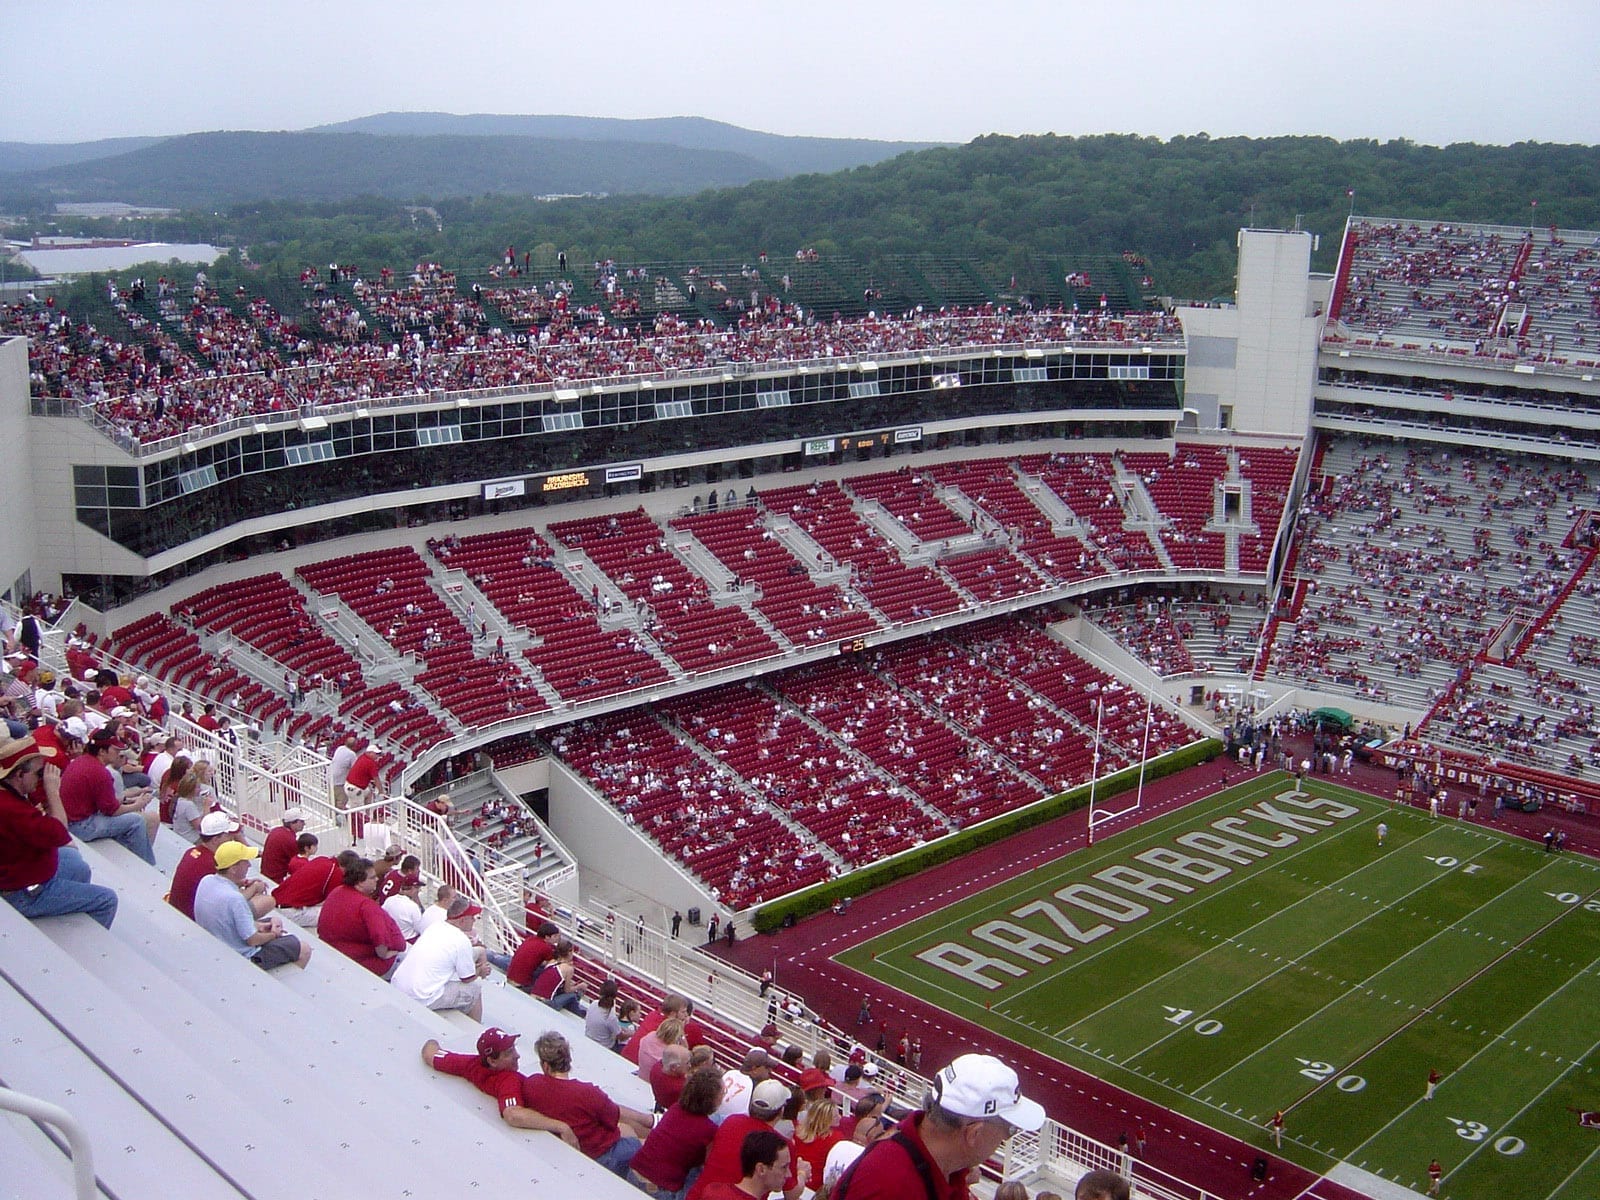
{"type": "Point", "coordinates": [1253, 952]}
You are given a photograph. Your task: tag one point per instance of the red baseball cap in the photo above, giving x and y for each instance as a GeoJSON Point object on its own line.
{"type": "Point", "coordinates": [496, 1041]}
{"type": "Point", "coordinates": [813, 1077]}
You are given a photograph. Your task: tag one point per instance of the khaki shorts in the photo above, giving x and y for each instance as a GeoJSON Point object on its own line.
{"type": "Point", "coordinates": [458, 995]}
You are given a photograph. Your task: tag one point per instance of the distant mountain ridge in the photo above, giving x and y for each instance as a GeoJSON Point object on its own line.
{"type": "Point", "coordinates": [40, 156]}
{"type": "Point", "coordinates": [406, 156]}
{"type": "Point", "coordinates": [206, 169]}
{"type": "Point", "coordinates": [788, 155]}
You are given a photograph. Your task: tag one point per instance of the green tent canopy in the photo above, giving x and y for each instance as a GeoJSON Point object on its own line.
{"type": "Point", "coordinates": [1334, 716]}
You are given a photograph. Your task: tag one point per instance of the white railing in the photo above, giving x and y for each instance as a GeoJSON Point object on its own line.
{"type": "Point", "coordinates": [82, 1153]}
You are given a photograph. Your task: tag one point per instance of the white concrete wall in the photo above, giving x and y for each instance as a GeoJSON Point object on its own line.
{"type": "Point", "coordinates": [19, 531]}
{"type": "Point", "coordinates": [1258, 357]}
{"type": "Point", "coordinates": [65, 545]}
{"type": "Point", "coordinates": [608, 846]}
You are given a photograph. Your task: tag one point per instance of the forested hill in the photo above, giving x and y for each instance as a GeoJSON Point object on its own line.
{"type": "Point", "coordinates": [784, 155]}
{"type": "Point", "coordinates": [1016, 204]}
{"type": "Point", "coordinates": [209, 169]}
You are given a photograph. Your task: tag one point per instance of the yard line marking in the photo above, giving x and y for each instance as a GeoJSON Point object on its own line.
{"type": "Point", "coordinates": [1078, 961]}
{"type": "Point", "coordinates": [1233, 939]}
{"type": "Point", "coordinates": [1509, 895]}
{"type": "Point", "coordinates": [1503, 1038]}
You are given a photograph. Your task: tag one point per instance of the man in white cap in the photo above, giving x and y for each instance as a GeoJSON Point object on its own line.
{"type": "Point", "coordinates": [281, 845]}
{"type": "Point", "coordinates": [200, 861]}
{"type": "Point", "coordinates": [973, 1107]}
{"type": "Point", "coordinates": [220, 908]}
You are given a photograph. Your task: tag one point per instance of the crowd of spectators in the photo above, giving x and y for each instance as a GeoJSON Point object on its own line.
{"type": "Point", "coordinates": [1416, 555]}
{"type": "Point", "coordinates": [1473, 290]}
{"type": "Point", "coordinates": [378, 337]}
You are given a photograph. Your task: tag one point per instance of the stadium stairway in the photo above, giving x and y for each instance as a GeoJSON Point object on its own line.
{"type": "Point", "coordinates": [214, 1076]}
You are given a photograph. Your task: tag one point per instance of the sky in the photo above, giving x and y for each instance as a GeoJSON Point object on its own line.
{"type": "Point", "coordinates": [1433, 72]}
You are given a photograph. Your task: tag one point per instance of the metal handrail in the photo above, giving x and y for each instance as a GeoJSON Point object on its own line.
{"type": "Point", "coordinates": [81, 1152]}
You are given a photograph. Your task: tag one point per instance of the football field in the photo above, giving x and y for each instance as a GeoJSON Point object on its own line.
{"type": "Point", "coordinates": [1260, 950]}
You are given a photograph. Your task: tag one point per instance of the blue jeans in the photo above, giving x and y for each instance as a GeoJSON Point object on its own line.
{"type": "Point", "coordinates": [571, 1001]}
{"type": "Point", "coordinates": [67, 891]}
{"type": "Point", "coordinates": [125, 828]}
{"type": "Point", "coordinates": [619, 1156]}
{"type": "Point", "coordinates": [497, 959]}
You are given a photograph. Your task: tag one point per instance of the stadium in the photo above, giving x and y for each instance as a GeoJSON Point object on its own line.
{"type": "Point", "coordinates": [836, 613]}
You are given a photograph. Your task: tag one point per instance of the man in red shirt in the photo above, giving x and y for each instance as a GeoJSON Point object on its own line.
{"type": "Point", "coordinates": [363, 774]}
{"type": "Point", "coordinates": [974, 1107]}
{"type": "Point", "coordinates": [200, 860]}
{"type": "Point", "coordinates": [354, 924]}
{"type": "Point", "coordinates": [41, 873]}
{"type": "Point", "coordinates": [280, 845]}
{"type": "Point", "coordinates": [764, 1159]}
{"type": "Point", "coordinates": [89, 798]}
{"type": "Point", "coordinates": [493, 1071]}
{"type": "Point", "coordinates": [607, 1132]}
{"type": "Point", "coordinates": [672, 1005]}
{"type": "Point", "coordinates": [301, 895]}
{"type": "Point", "coordinates": [724, 1164]}
{"type": "Point", "coordinates": [538, 948]}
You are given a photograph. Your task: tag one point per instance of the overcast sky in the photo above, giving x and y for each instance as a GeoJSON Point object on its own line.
{"type": "Point", "coordinates": [933, 70]}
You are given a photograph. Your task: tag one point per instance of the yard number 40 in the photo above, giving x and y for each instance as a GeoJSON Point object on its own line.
{"type": "Point", "coordinates": [1206, 1027]}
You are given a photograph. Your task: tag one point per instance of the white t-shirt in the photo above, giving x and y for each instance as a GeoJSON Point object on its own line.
{"type": "Point", "coordinates": [158, 768]}
{"type": "Point", "coordinates": [339, 766]}
{"type": "Point", "coordinates": [406, 914]}
{"type": "Point", "coordinates": [431, 916]}
{"type": "Point", "coordinates": [442, 955]}
{"type": "Point", "coordinates": [841, 1156]}
{"type": "Point", "coordinates": [736, 1089]}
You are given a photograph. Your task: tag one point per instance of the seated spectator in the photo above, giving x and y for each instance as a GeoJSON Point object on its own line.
{"type": "Point", "coordinates": [607, 1132]}
{"type": "Point", "coordinates": [312, 877]}
{"type": "Point", "coordinates": [655, 1044]}
{"type": "Point", "coordinates": [672, 1155]}
{"type": "Point", "coordinates": [972, 1108]}
{"type": "Point", "coordinates": [724, 1166]}
{"type": "Point", "coordinates": [167, 789]}
{"type": "Point", "coordinates": [816, 1133]}
{"type": "Point", "coordinates": [602, 1024]}
{"type": "Point", "coordinates": [1011, 1189]}
{"type": "Point", "coordinates": [221, 909]}
{"type": "Point", "coordinates": [186, 811]}
{"type": "Point", "coordinates": [1101, 1185]}
{"type": "Point", "coordinates": [281, 845]}
{"type": "Point", "coordinates": [738, 1085]}
{"type": "Point", "coordinates": [440, 970]}
{"type": "Point", "coordinates": [672, 1005]}
{"type": "Point", "coordinates": [41, 872]}
{"type": "Point", "coordinates": [200, 862]}
{"type": "Point", "coordinates": [846, 1150]}
{"type": "Point", "coordinates": [354, 924]}
{"type": "Point", "coordinates": [89, 798]}
{"type": "Point", "coordinates": [493, 1071]}
{"type": "Point", "coordinates": [528, 961]}
{"type": "Point", "coordinates": [557, 984]}
{"type": "Point", "coordinates": [868, 1104]}
{"type": "Point", "coordinates": [668, 1075]}
{"type": "Point", "coordinates": [405, 906]}
{"type": "Point", "coordinates": [391, 882]}
{"type": "Point", "coordinates": [765, 1161]}
{"type": "Point", "coordinates": [440, 908]}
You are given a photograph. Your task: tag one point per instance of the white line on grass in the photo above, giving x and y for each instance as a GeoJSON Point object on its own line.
{"type": "Point", "coordinates": [1069, 964]}
{"type": "Point", "coordinates": [1292, 962]}
{"type": "Point", "coordinates": [1502, 1038]}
